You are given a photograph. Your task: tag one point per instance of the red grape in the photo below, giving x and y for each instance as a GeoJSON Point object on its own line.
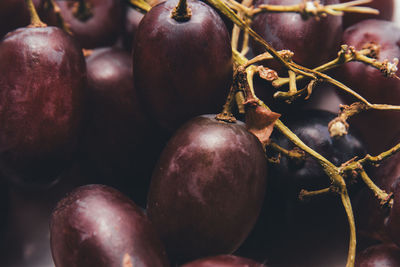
{"type": "Point", "coordinates": [43, 82]}
{"type": "Point", "coordinates": [385, 7]}
{"type": "Point", "coordinates": [384, 255]}
{"type": "Point", "coordinates": [182, 69]}
{"type": "Point", "coordinates": [312, 41]}
{"type": "Point", "coordinates": [96, 225]}
{"type": "Point", "coordinates": [101, 25]}
{"type": "Point", "coordinates": [207, 189]}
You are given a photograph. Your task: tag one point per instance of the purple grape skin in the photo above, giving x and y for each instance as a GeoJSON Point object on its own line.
{"type": "Point", "coordinates": [115, 124]}
{"type": "Point", "coordinates": [132, 20]}
{"type": "Point", "coordinates": [224, 261]}
{"type": "Point", "coordinates": [207, 188]}
{"type": "Point", "coordinates": [101, 29]}
{"type": "Point", "coordinates": [96, 225]}
{"type": "Point", "coordinates": [313, 42]}
{"type": "Point", "coordinates": [383, 255]}
{"type": "Point", "coordinates": [385, 8]}
{"type": "Point", "coordinates": [182, 69]}
{"type": "Point", "coordinates": [392, 224]}
{"type": "Point", "coordinates": [41, 100]}
{"type": "Point", "coordinates": [371, 217]}
{"type": "Point", "coordinates": [119, 147]}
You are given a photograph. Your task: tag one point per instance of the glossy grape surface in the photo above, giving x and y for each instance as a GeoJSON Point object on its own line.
{"type": "Point", "coordinates": [100, 27]}
{"type": "Point", "coordinates": [96, 225]}
{"type": "Point", "coordinates": [182, 69]}
{"type": "Point", "coordinates": [41, 99]}
{"type": "Point", "coordinates": [312, 41]}
{"type": "Point", "coordinates": [218, 173]}
{"type": "Point", "coordinates": [384, 255]}
{"type": "Point", "coordinates": [385, 7]}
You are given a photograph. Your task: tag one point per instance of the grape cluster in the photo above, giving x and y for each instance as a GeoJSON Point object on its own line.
{"type": "Point", "coordinates": [122, 141]}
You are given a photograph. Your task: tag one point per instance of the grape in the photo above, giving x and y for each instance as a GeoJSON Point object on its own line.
{"type": "Point", "coordinates": [384, 255]}
{"type": "Point", "coordinates": [182, 69]}
{"type": "Point", "coordinates": [224, 261]}
{"type": "Point", "coordinates": [133, 18]}
{"type": "Point", "coordinates": [118, 143]}
{"type": "Point", "coordinates": [385, 7]}
{"type": "Point", "coordinates": [27, 240]}
{"type": "Point", "coordinates": [317, 220]}
{"type": "Point", "coordinates": [43, 81]}
{"type": "Point", "coordinates": [371, 83]}
{"type": "Point", "coordinates": [96, 225]}
{"type": "Point", "coordinates": [100, 26]}
{"type": "Point", "coordinates": [311, 126]}
{"type": "Point", "coordinates": [392, 224]}
{"type": "Point", "coordinates": [312, 41]}
{"type": "Point", "coordinates": [207, 188]}
{"type": "Point", "coordinates": [210, 182]}
{"type": "Point", "coordinates": [370, 216]}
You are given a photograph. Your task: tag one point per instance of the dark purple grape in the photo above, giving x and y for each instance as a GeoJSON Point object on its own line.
{"type": "Point", "coordinates": [393, 222]}
{"type": "Point", "coordinates": [182, 69]}
{"type": "Point", "coordinates": [370, 215]}
{"type": "Point", "coordinates": [311, 126]}
{"type": "Point", "coordinates": [96, 225]}
{"type": "Point", "coordinates": [116, 144]}
{"type": "Point", "coordinates": [224, 261]}
{"type": "Point", "coordinates": [312, 41]}
{"type": "Point", "coordinates": [384, 255]}
{"type": "Point", "coordinates": [98, 26]}
{"type": "Point", "coordinates": [377, 128]}
{"type": "Point", "coordinates": [132, 20]}
{"type": "Point", "coordinates": [306, 228]}
{"type": "Point", "coordinates": [207, 189]}
{"type": "Point", "coordinates": [42, 91]}
{"type": "Point", "coordinates": [385, 8]}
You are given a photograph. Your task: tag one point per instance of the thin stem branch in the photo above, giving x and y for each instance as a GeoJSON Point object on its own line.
{"type": "Point", "coordinates": [350, 217]}
{"type": "Point", "coordinates": [342, 58]}
{"type": "Point", "coordinates": [35, 20]}
{"type": "Point", "coordinates": [227, 11]}
{"type": "Point", "coordinates": [305, 194]}
{"type": "Point", "coordinates": [235, 37]}
{"type": "Point", "coordinates": [226, 114]}
{"type": "Point", "coordinates": [314, 9]}
{"type": "Point", "coordinates": [385, 198]}
{"type": "Point", "coordinates": [368, 159]}
{"type": "Point", "coordinates": [295, 154]}
{"type": "Point", "coordinates": [60, 20]}
{"type": "Point", "coordinates": [141, 4]}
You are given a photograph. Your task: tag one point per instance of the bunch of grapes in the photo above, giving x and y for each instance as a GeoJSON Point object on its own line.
{"type": "Point", "coordinates": [199, 133]}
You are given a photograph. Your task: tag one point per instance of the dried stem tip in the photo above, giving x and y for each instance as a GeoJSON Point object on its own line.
{"type": "Point", "coordinates": [181, 12]}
